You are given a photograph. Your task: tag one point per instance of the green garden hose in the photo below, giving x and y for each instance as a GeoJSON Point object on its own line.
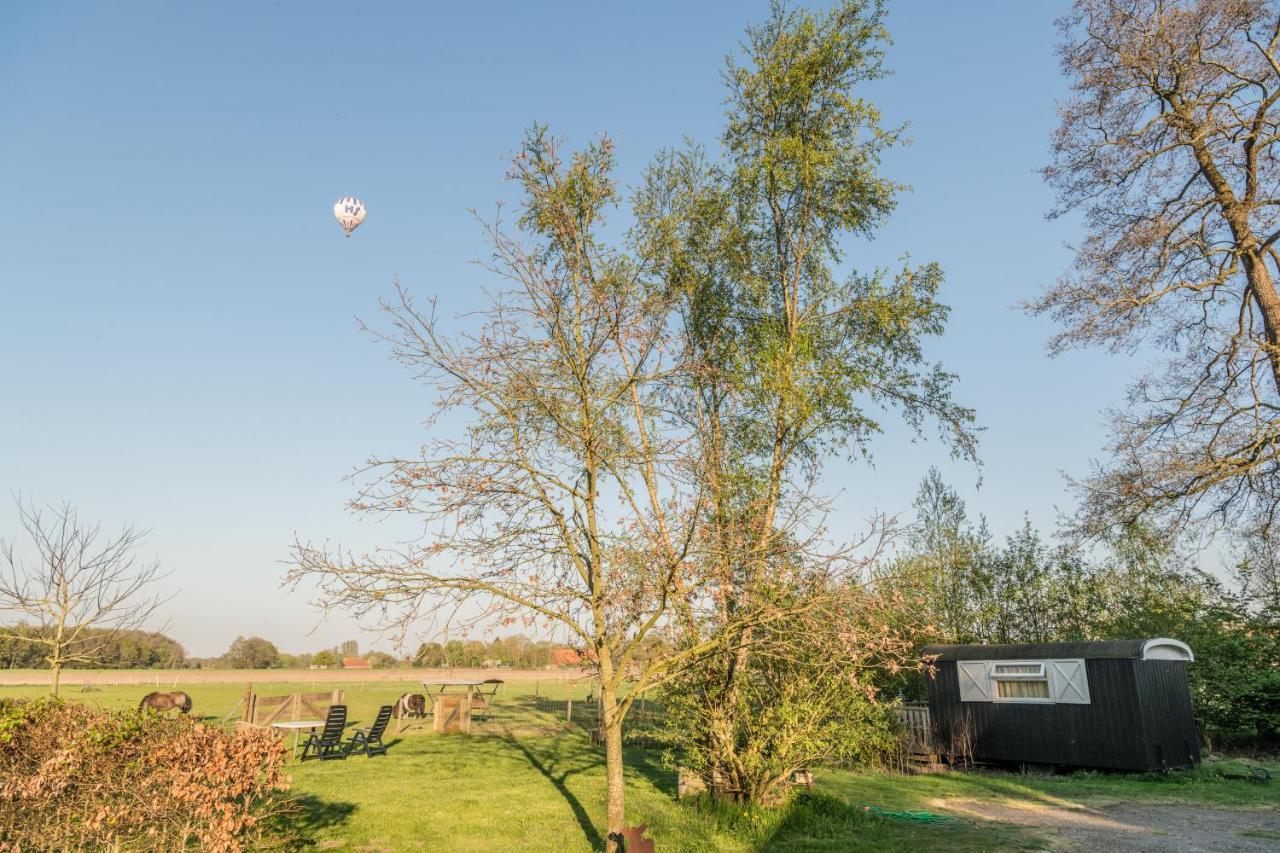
{"type": "Point", "coordinates": [917, 817]}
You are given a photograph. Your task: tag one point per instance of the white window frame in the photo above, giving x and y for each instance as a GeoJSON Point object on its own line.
{"type": "Point", "coordinates": [1042, 674]}
{"type": "Point", "coordinates": [979, 681]}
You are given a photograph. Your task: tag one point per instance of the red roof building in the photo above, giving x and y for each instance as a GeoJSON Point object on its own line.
{"type": "Point", "coordinates": [569, 657]}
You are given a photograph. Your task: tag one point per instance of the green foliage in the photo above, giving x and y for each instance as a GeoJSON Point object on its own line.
{"type": "Point", "coordinates": [1235, 680]}
{"type": "Point", "coordinates": [252, 653]}
{"type": "Point", "coordinates": [803, 695]}
{"type": "Point", "coordinates": [793, 360]}
{"type": "Point", "coordinates": [534, 780]}
{"type": "Point", "coordinates": [518, 652]}
{"type": "Point", "coordinates": [382, 660]}
{"type": "Point", "coordinates": [118, 650]}
{"type": "Point", "coordinates": [1138, 587]}
{"type": "Point", "coordinates": [302, 661]}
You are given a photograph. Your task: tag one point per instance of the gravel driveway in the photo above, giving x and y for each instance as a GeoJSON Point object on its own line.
{"type": "Point", "coordinates": [1135, 828]}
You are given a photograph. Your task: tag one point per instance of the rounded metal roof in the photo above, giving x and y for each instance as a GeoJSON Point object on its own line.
{"type": "Point", "coordinates": [1161, 648]}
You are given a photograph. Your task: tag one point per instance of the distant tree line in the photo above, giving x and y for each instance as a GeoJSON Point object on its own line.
{"type": "Point", "coordinates": [517, 652]}
{"type": "Point", "coordinates": [153, 650]}
{"type": "Point", "coordinates": [965, 587]}
{"type": "Point", "coordinates": [259, 653]}
{"type": "Point", "coordinates": [118, 650]}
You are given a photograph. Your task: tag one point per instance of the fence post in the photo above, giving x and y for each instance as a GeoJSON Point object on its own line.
{"type": "Point", "coordinates": [248, 702]}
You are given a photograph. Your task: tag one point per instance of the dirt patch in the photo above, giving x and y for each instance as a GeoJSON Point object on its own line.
{"type": "Point", "coordinates": [1134, 828]}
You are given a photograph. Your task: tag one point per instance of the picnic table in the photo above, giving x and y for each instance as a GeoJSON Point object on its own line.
{"type": "Point", "coordinates": [460, 685]}
{"type": "Point", "coordinates": [297, 726]}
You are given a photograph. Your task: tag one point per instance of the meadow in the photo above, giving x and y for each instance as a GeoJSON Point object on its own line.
{"type": "Point", "coordinates": [530, 779]}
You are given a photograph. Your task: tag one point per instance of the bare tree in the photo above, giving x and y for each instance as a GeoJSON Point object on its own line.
{"type": "Point", "coordinates": [1168, 149]}
{"type": "Point", "coordinates": [1258, 572]}
{"type": "Point", "coordinates": [82, 589]}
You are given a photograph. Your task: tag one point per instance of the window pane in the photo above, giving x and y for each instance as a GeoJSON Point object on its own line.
{"type": "Point", "coordinates": [1020, 668]}
{"type": "Point", "coordinates": [1022, 689]}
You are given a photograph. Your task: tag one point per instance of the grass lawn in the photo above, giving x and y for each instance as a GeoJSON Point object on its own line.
{"type": "Point", "coordinates": [529, 780]}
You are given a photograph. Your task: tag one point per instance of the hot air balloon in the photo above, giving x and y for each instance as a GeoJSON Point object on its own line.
{"type": "Point", "coordinates": [349, 212]}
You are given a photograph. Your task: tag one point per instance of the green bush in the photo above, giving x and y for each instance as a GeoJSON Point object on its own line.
{"type": "Point", "coordinates": [1235, 679]}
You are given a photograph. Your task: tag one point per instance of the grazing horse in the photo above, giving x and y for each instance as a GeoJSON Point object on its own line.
{"type": "Point", "coordinates": [166, 701]}
{"type": "Point", "coordinates": [410, 705]}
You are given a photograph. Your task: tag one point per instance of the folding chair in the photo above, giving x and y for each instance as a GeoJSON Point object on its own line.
{"type": "Point", "coordinates": [328, 744]}
{"type": "Point", "coordinates": [369, 740]}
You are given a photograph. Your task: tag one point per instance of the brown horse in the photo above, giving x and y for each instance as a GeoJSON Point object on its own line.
{"type": "Point", "coordinates": [166, 701]}
{"type": "Point", "coordinates": [410, 705]}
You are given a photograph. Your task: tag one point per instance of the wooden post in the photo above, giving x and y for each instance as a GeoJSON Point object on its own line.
{"type": "Point", "coordinates": [452, 713]}
{"type": "Point", "coordinates": [568, 709]}
{"type": "Point", "coordinates": [688, 783]}
{"type": "Point", "coordinates": [248, 702]}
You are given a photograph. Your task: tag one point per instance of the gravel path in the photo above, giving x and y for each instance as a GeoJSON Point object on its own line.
{"type": "Point", "coordinates": [1136, 828]}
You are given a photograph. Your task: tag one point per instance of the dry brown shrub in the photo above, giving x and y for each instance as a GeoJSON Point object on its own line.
{"type": "Point", "coordinates": [77, 777]}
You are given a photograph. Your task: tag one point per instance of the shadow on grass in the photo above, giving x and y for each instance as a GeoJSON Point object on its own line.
{"type": "Point", "coordinates": [812, 817]}
{"type": "Point", "coordinates": [814, 822]}
{"type": "Point", "coordinates": [306, 815]}
{"type": "Point", "coordinates": [557, 764]}
{"type": "Point", "coordinates": [648, 763]}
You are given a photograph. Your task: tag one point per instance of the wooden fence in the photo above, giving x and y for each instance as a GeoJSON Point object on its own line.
{"type": "Point", "coordinates": [914, 719]}
{"type": "Point", "coordinates": [264, 710]}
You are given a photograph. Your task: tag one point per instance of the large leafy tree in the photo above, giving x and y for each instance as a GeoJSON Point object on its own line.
{"type": "Point", "coordinates": [947, 567]}
{"type": "Point", "coordinates": [1167, 149]}
{"type": "Point", "coordinates": [251, 653]}
{"type": "Point", "coordinates": [791, 360]}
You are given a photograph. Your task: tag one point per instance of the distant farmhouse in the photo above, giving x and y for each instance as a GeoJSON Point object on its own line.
{"type": "Point", "coordinates": [565, 657]}
{"type": "Point", "coordinates": [356, 663]}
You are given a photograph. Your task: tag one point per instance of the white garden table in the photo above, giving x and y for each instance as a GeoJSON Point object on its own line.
{"type": "Point", "coordinates": [297, 726]}
{"type": "Point", "coordinates": [442, 685]}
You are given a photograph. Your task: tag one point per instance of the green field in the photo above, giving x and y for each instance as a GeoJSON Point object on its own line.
{"type": "Point", "coordinates": [530, 780]}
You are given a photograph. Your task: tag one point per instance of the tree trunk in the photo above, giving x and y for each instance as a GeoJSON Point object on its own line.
{"type": "Point", "coordinates": [1268, 302]}
{"type": "Point", "coordinates": [55, 667]}
{"type": "Point", "coordinates": [614, 818]}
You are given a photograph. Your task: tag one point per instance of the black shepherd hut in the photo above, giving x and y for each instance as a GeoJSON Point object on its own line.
{"type": "Point", "coordinates": [1120, 705]}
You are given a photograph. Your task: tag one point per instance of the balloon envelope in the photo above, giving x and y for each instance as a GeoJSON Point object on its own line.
{"type": "Point", "coordinates": [349, 212]}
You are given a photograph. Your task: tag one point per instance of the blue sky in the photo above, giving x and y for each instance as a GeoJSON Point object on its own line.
{"type": "Point", "coordinates": [178, 345]}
